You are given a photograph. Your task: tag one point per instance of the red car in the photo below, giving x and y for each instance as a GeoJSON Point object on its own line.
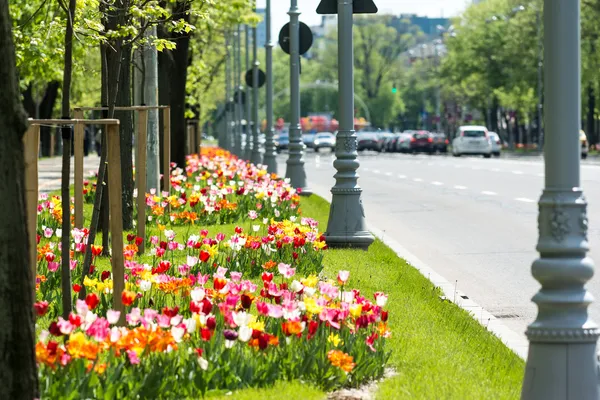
{"type": "Point", "coordinates": [421, 142]}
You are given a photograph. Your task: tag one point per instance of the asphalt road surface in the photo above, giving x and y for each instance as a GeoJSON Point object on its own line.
{"type": "Point", "coordinates": [473, 220]}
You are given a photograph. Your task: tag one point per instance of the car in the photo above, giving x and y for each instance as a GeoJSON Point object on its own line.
{"type": "Point", "coordinates": [584, 144]}
{"type": "Point", "coordinates": [367, 141]}
{"type": "Point", "coordinates": [308, 139]}
{"type": "Point", "coordinates": [403, 142]}
{"type": "Point", "coordinates": [324, 140]}
{"type": "Point", "coordinates": [283, 142]}
{"type": "Point", "coordinates": [384, 139]}
{"type": "Point", "coordinates": [440, 142]}
{"type": "Point", "coordinates": [495, 142]}
{"type": "Point", "coordinates": [473, 140]}
{"type": "Point", "coordinates": [421, 142]}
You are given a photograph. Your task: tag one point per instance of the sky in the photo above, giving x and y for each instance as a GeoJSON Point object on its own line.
{"type": "Point", "coordinates": [429, 8]}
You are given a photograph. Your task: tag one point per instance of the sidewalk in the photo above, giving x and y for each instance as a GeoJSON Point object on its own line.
{"type": "Point", "coordinates": [50, 171]}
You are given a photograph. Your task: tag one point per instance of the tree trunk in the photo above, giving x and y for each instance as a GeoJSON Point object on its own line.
{"type": "Point", "coordinates": [126, 131]}
{"type": "Point", "coordinates": [164, 87]}
{"type": "Point", "coordinates": [178, 78]}
{"type": "Point", "coordinates": [591, 127]}
{"type": "Point", "coordinates": [66, 165]}
{"type": "Point", "coordinates": [494, 114]}
{"type": "Point", "coordinates": [18, 370]}
{"type": "Point", "coordinates": [43, 110]}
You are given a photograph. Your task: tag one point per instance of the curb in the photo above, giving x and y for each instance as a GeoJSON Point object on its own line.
{"type": "Point", "coordinates": [510, 338]}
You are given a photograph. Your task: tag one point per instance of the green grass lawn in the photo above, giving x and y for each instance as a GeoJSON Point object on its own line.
{"type": "Point", "coordinates": [438, 350]}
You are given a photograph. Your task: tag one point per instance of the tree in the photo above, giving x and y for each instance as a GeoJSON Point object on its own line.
{"type": "Point", "coordinates": [18, 371]}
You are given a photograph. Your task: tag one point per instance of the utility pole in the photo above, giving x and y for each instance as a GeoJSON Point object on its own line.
{"type": "Point", "coordinates": [150, 98]}
{"type": "Point", "coordinates": [346, 226]}
{"type": "Point", "coordinates": [256, 158]}
{"type": "Point", "coordinates": [562, 362]}
{"type": "Point", "coordinates": [270, 151]}
{"type": "Point", "coordinates": [248, 148]}
{"type": "Point", "coordinates": [295, 163]}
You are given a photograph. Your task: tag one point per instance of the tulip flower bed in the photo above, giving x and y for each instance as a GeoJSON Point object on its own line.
{"type": "Point", "coordinates": [242, 305]}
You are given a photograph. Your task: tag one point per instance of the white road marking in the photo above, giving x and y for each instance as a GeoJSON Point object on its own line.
{"type": "Point", "coordinates": [459, 187]}
{"type": "Point", "coordinates": [418, 180]}
{"type": "Point", "coordinates": [496, 169]}
{"type": "Point", "coordinates": [376, 171]}
{"type": "Point", "coordinates": [525, 200]}
{"type": "Point", "coordinates": [366, 169]}
{"type": "Point", "coordinates": [475, 168]}
{"type": "Point", "coordinates": [540, 175]}
{"type": "Point", "coordinates": [402, 176]}
{"type": "Point", "coordinates": [388, 174]}
{"type": "Point", "coordinates": [436, 183]}
{"type": "Point", "coordinates": [488, 193]}
{"type": "Point", "coordinates": [518, 172]}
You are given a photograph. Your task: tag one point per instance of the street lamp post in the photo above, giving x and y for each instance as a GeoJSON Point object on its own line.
{"type": "Point", "coordinates": [346, 226]}
{"type": "Point", "coordinates": [562, 361]}
{"type": "Point", "coordinates": [238, 89]}
{"type": "Point", "coordinates": [228, 130]}
{"type": "Point", "coordinates": [255, 158]}
{"type": "Point", "coordinates": [270, 151]}
{"type": "Point", "coordinates": [295, 163]}
{"type": "Point", "coordinates": [248, 147]}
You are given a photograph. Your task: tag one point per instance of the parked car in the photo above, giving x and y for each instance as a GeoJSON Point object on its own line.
{"type": "Point", "coordinates": [282, 142]}
{"type": "Point", "coordinates": [308, 139]}
{"type": "Point", "coordinates": [367, 141]}
{"type": "Point", "coordinates": [440, 142]}
{"type": "Point", "coordinates": [584, 144]}
{"type": "Point", "coordinates": [392, 143]}
{"type": "Point", "coordinates": [403, 142]}
{"type": "Point", "coordinates": [324, 140]}
{"type": "Point", "coordinates": [471, 139]}
{"type": "Point", "coordinates": [421, 142]}
{"type": "Point", "coordinates": [496, 143]}
{"type": "Point", "coordinates": [384, 139]}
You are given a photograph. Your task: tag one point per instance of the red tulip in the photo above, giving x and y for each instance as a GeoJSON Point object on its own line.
{"type": "Point", "coordinates": [76, 288]}
{"type": "Point", "coordinates": [139, 241]}
{"type": "Point", "coordinates": [211, 323]}
{"type": "Point", "coordinates": [128, 297]}
{"type": "Point", "coordinates": [104, 275]}
{"type": "Point", "coordinates": [92, 300]}
{"type": "Point", "coordinates": [204, 255]}
{"type": "Point", "coordinates": [130, 237]}
{"type": "Point", "coordinates": [41, 308]}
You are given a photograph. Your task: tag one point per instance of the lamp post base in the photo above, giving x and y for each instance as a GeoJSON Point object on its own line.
{"type": "Point", "coordinates": [346, 227]}
{"type": "Point", "coordinates": [572, 366]}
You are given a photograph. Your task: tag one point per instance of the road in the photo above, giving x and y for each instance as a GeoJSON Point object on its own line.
{"type": "Point", "coordinates": [473, 220]}
{"type": "Point", "coordinates": [50, 170]}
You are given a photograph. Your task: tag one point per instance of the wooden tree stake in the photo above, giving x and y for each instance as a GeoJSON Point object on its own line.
{"type": "Point", "coordinates": [79, 132]}
{"type": "Point", "coordinates": [116, 217]}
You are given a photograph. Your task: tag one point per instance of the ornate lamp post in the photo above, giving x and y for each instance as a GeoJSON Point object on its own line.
{"type": "Point", "coordinates": [562, 361]}
{"type": "Point", "coordinates": [295, 163]}
{"type": "Point", "coordinates": [346, 226]}
{"type": "Point", "coordinates": [270, 151]}
{"type": "Point", "coordinates": [256, 157]}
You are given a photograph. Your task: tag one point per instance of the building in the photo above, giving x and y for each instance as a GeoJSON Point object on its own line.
{"type": "Point", "coordinates": [261, 29]}
{"type": "Point", "coordinates": [429, 26]}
